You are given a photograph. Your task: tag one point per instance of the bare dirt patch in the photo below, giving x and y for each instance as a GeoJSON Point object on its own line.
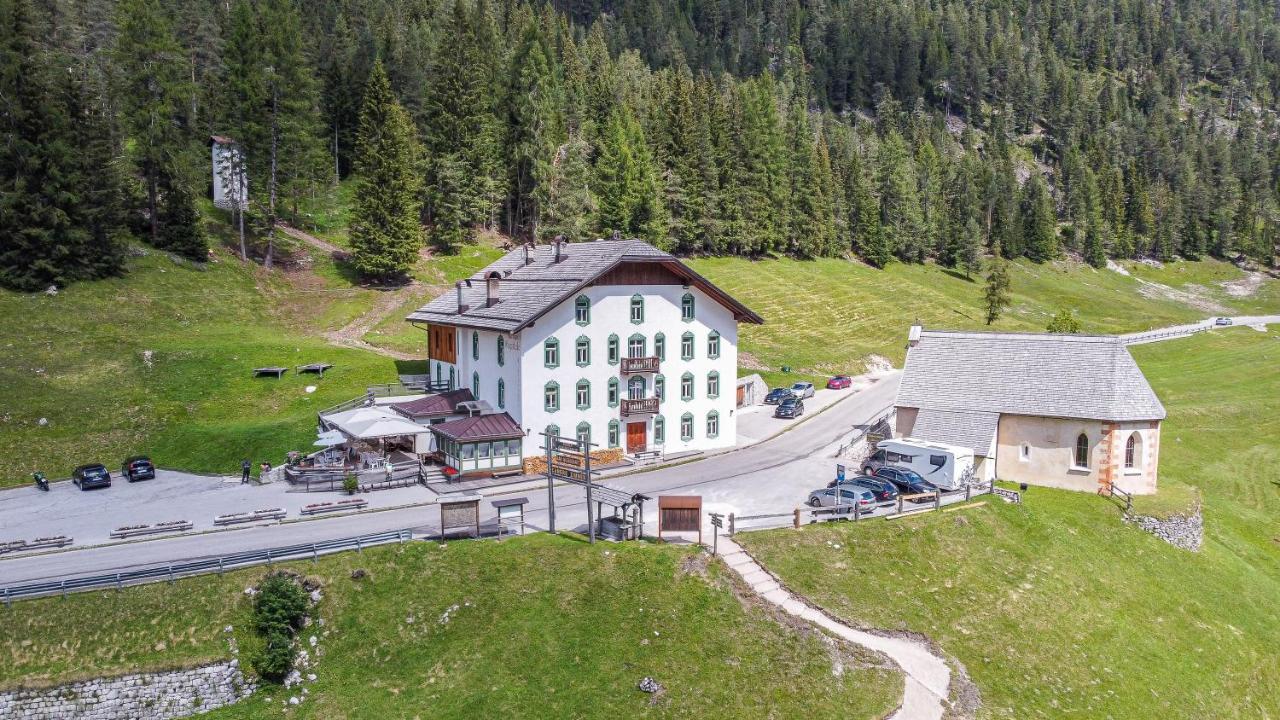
{"type": "Point", "coordinates": [1245, 286]}
{"type": "Point", "coordinates": [1193, 296]}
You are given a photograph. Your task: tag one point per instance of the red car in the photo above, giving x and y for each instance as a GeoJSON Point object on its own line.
{"type": "Point", "coordinates": [839, 382]}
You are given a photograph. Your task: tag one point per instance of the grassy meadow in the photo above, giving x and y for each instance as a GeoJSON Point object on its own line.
{"type": "Point", "coordinates": [826, 316]}
{"type": "Point", "coordinates": [541, 627]}
{"type": "Point", "coordinates": [1058, 609]}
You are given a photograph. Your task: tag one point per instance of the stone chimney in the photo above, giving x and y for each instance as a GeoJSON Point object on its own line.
{"type": "Point", "coordinates": [528, 253]}
{"type": "Point", "coordinates": [913, 337]}
{"type": "Point", "coordinates": [462, 307]}
{"type": "Point", "coordinates": [491, 290]}
{"type": "Point", "coordinates": [617, 235]}
{"type": "Point", "coordinates": [559, 246]}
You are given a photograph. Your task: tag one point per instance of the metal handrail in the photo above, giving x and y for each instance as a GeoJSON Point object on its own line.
{"type": "Point", "coordinates": [170, 571]}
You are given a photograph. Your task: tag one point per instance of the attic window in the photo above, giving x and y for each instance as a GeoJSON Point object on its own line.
{"type": "Point", "coordinates": [582, 310]}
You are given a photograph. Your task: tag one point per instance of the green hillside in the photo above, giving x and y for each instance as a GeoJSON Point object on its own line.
{"type": "Point", "coordinates": [1058, 609]}
{"type": "Point", "coordinates": [827, 316]}
{"type": "Point", "coordinates": [540, 627]}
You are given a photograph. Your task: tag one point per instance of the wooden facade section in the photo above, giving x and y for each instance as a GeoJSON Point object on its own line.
{"type": "Point", "coordinates": [640, 273]}
{"type": "Point", "coordinates": [442, 343]}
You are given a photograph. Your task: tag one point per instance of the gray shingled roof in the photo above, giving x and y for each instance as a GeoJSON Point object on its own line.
{"type": "Point", "coordinates": [526, 291]}
{"type": "Point", "coordinates": [1068, 376]}
{"type": "Point", "coordinates": [966, 428]}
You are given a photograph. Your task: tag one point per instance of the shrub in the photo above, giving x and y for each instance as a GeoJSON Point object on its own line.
{"type": "Point", "coordinates": [349, 483]}
{"type": "Point", "coordinates": [278, 612]}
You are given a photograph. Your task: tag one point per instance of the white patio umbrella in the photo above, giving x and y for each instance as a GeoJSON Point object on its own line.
{"type": "Point", "coordinates": [329, 438]}
{"type": "Point", "coordinates": [387, 427]}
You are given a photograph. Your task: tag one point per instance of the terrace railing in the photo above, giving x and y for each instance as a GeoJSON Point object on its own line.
{"type": "Point", "coordinates": [643, 406]}
{"type": "Point", "coordinates": [639, 365]}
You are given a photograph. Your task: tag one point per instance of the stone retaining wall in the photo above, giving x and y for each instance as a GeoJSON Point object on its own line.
{"type": "Point", "coordinates": [145, 696]}
{"type": "Point", "coordinates": [1180, 531]}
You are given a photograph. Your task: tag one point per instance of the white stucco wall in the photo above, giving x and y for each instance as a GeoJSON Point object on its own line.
{"type": "Point", "coordinates": [1050, 444]}
{"type": "Point", "coordinates": [610, 314]}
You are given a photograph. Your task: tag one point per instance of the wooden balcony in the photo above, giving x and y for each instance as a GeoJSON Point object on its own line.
{"type": "Point", "coordinates": [644, 406]}
{"type": "Point", "coordinates": [632, 365]}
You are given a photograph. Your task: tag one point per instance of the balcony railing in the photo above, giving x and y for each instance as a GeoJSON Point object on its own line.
{"type": "Point", "coordinates": [643, 406]}
{"type": "Point", "coordinates": [639, 365]}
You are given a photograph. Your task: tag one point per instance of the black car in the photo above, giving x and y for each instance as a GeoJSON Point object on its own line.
{"type": "Point", "coordinates": [792, 407]}
{"type": "Point", "coordinates": [91, 476]}
{"type": "Point", "coordinates": [908, 482]}
{"type": "Point", "coordinates": [138, 467]}
{"type": "Point", "coordinates": [883, 490]}
{"type": "Point", "coordinates": [777, 395]}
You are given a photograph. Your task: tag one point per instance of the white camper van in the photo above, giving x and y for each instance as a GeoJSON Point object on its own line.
{"type": "Point", "coordinates": [943, 465]}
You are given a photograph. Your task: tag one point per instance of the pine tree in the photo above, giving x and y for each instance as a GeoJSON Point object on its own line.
{"type": "Point", "coordinates": [900, 212]}
{"type": "Point", "coordinates": [996, 297]}
{"type": "Point", "coordinates": [461, 133]}
{"type": "Point", "coordinates": [100, 207]}
{"type": "Point", "coordinates": [288, 140]}
{"type": "Point", "coordinates": [1039, 220]}
{"type": "Point", "coordinates": [533, 122]}
{"type": "Point", "coordinates": [152, 90]}
{"type": "Point", "coordinates": [870, 240]}
{"type": "Point", "coordinates": [243, 97]}
{"type": "Point", "coordinates": [385, 232]}
{"type": "Point", "coordinates": [564, 194]}
{"type": "Point", "coordinates": [626, 183]}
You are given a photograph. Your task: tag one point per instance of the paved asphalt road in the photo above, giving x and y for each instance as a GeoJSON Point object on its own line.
{"type": "Point", "coordinates": [771, 476]}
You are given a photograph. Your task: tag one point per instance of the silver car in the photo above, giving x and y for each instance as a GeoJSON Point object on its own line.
{"type": "Point", "coordinates": [802, 390]}
{"type": "Point", "coordinates": [849, 496]}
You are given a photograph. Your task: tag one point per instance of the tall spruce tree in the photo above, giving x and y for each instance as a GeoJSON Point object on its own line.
{"type": "Point", "coordinates": [385, 231]}
{"type": "Point", "coordinates": [152, 91]}
{"type": "Point", "coordinates": [564, 194]}
{"type": "Point", "coordinates": [996, 297]}
{"type": "Point", "coordinates": [243, 97]}
{"type": "Point", "coordinates": [626, 183]}
{"type": "Point", "coordinates": [1039, 220]}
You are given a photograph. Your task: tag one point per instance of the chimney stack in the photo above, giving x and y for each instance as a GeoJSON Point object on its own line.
{"type": "Point", "coordinates": [559, 243]}
{"type": "Point", "coordinates": [913, 337]}
{"type": "Point", "coordinates": [462, 307]}
{"type": "Point", "coordinates": [491, 290]}
{"type": "Point", "coordinates": [617, 235]}
{"type": "Point", "coordinates": [528, 253]}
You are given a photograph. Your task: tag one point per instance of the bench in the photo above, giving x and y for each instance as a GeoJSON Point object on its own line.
{"type": "Point", "coordinates": [277, 371]}
{"type": "Point", "coordinates": [317, 368]}
{"type": "Point", "coordinates": [652, 455]}
{"type": "Point", "coordinates": [508, 473]}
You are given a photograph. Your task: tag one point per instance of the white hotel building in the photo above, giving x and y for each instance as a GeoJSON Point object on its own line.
{"type": "Point", "coordinates": [613, 341]}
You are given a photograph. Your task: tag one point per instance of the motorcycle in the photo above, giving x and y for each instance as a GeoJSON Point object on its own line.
{"type": "Point", "coordinates": [41, 482]}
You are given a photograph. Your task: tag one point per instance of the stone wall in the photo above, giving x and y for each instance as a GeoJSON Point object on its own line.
{"type": "Point", "coordinates": [1180, 531]}
{"type": "Point", "coordinates": [145, 696]}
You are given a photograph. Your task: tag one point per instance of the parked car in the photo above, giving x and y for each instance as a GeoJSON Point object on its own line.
{"type": "Point", "coordinates": [95, 475]}
{"type": "Point", "coordinates": [908, 482]}
{"type": "Point", "coordinates": [802, 390]}
{"type": "Point", "coordinates": [792, 407]}
{"type": "Point", "coordinates": [883, 490]}
{"type": "Point", "coordinates": [777, 395]}
{"type": "Point", "coordinates": [136, 468]}
{"type": "Point", "coordinates": [1222, 321]}
{"type": "Point", "coordinates": [840, 382]}
{"type": "Point", "coordinates": [826, 497]}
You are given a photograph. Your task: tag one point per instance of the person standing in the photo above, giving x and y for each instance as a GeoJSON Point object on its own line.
{"type": "Point", "coordinates": [244, 471]}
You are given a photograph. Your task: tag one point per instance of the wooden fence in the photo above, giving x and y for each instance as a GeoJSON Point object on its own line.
{"type": "Point", "coordinates": [797, 517]}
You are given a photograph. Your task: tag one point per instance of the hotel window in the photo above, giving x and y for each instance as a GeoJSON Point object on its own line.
{"type": "Point", "coordinates": [502, 394]}
{"type": "Point", "coordinates": [686, 426]}
{"type": "Point", "coordinates": [686, 386]}
{"type": "Point", "coordinates": [583, 394]}
{"type": "Point", "coordinates": [551, 397]}
{"type": "Point", "coordinates": [635, 346]}
{"type": "Point", "coordinates": [551, 353]}
{"type": "Point", "coordinates": [659, 430]}
{"type": "Point", "coordinates": [713, 385]}
{"type": "Point", "coordinates": [637, 309]}
{"type": "Point", "coordinates": [611, 351]}
{"type": "Point", "coordinates": [584, 434]}
{"type": "Point", "coordinates": [686, 346]}
{"type": "Point", "coordinates": [660, 388]}
{"type": "Point", "coordinates": [686, 307]}
{"type": "Point", "coordinates": [613, 392]}
{"type": "Point", "coordinates": [613, 433]}
{"type": "Point", "coordinates": [582, 351]}
{"type": "Point", "coordinates": [660, 346]}
{"type": "Point", "coordinates": [475, 345]}
{"type": "Point", "coordinates": [475, 385]}
{"type": "Point", "coordinates": [502, 351]}
{"type": "Point", "coordinates": [582, 310]}
{"type": "Point", "coordinates": [713, 424]}
{"type": "Point", "coordinates": [713, 345]}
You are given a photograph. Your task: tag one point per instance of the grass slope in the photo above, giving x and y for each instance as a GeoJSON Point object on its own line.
{"type": "Point", "coordinates": [77, 360]}
{"type": "Point", "coordinates": [826, 316]}
{"type": "Point", "coordinates": [1058, 609]}
{"type": "Point", "coordinates": [542, 627]}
